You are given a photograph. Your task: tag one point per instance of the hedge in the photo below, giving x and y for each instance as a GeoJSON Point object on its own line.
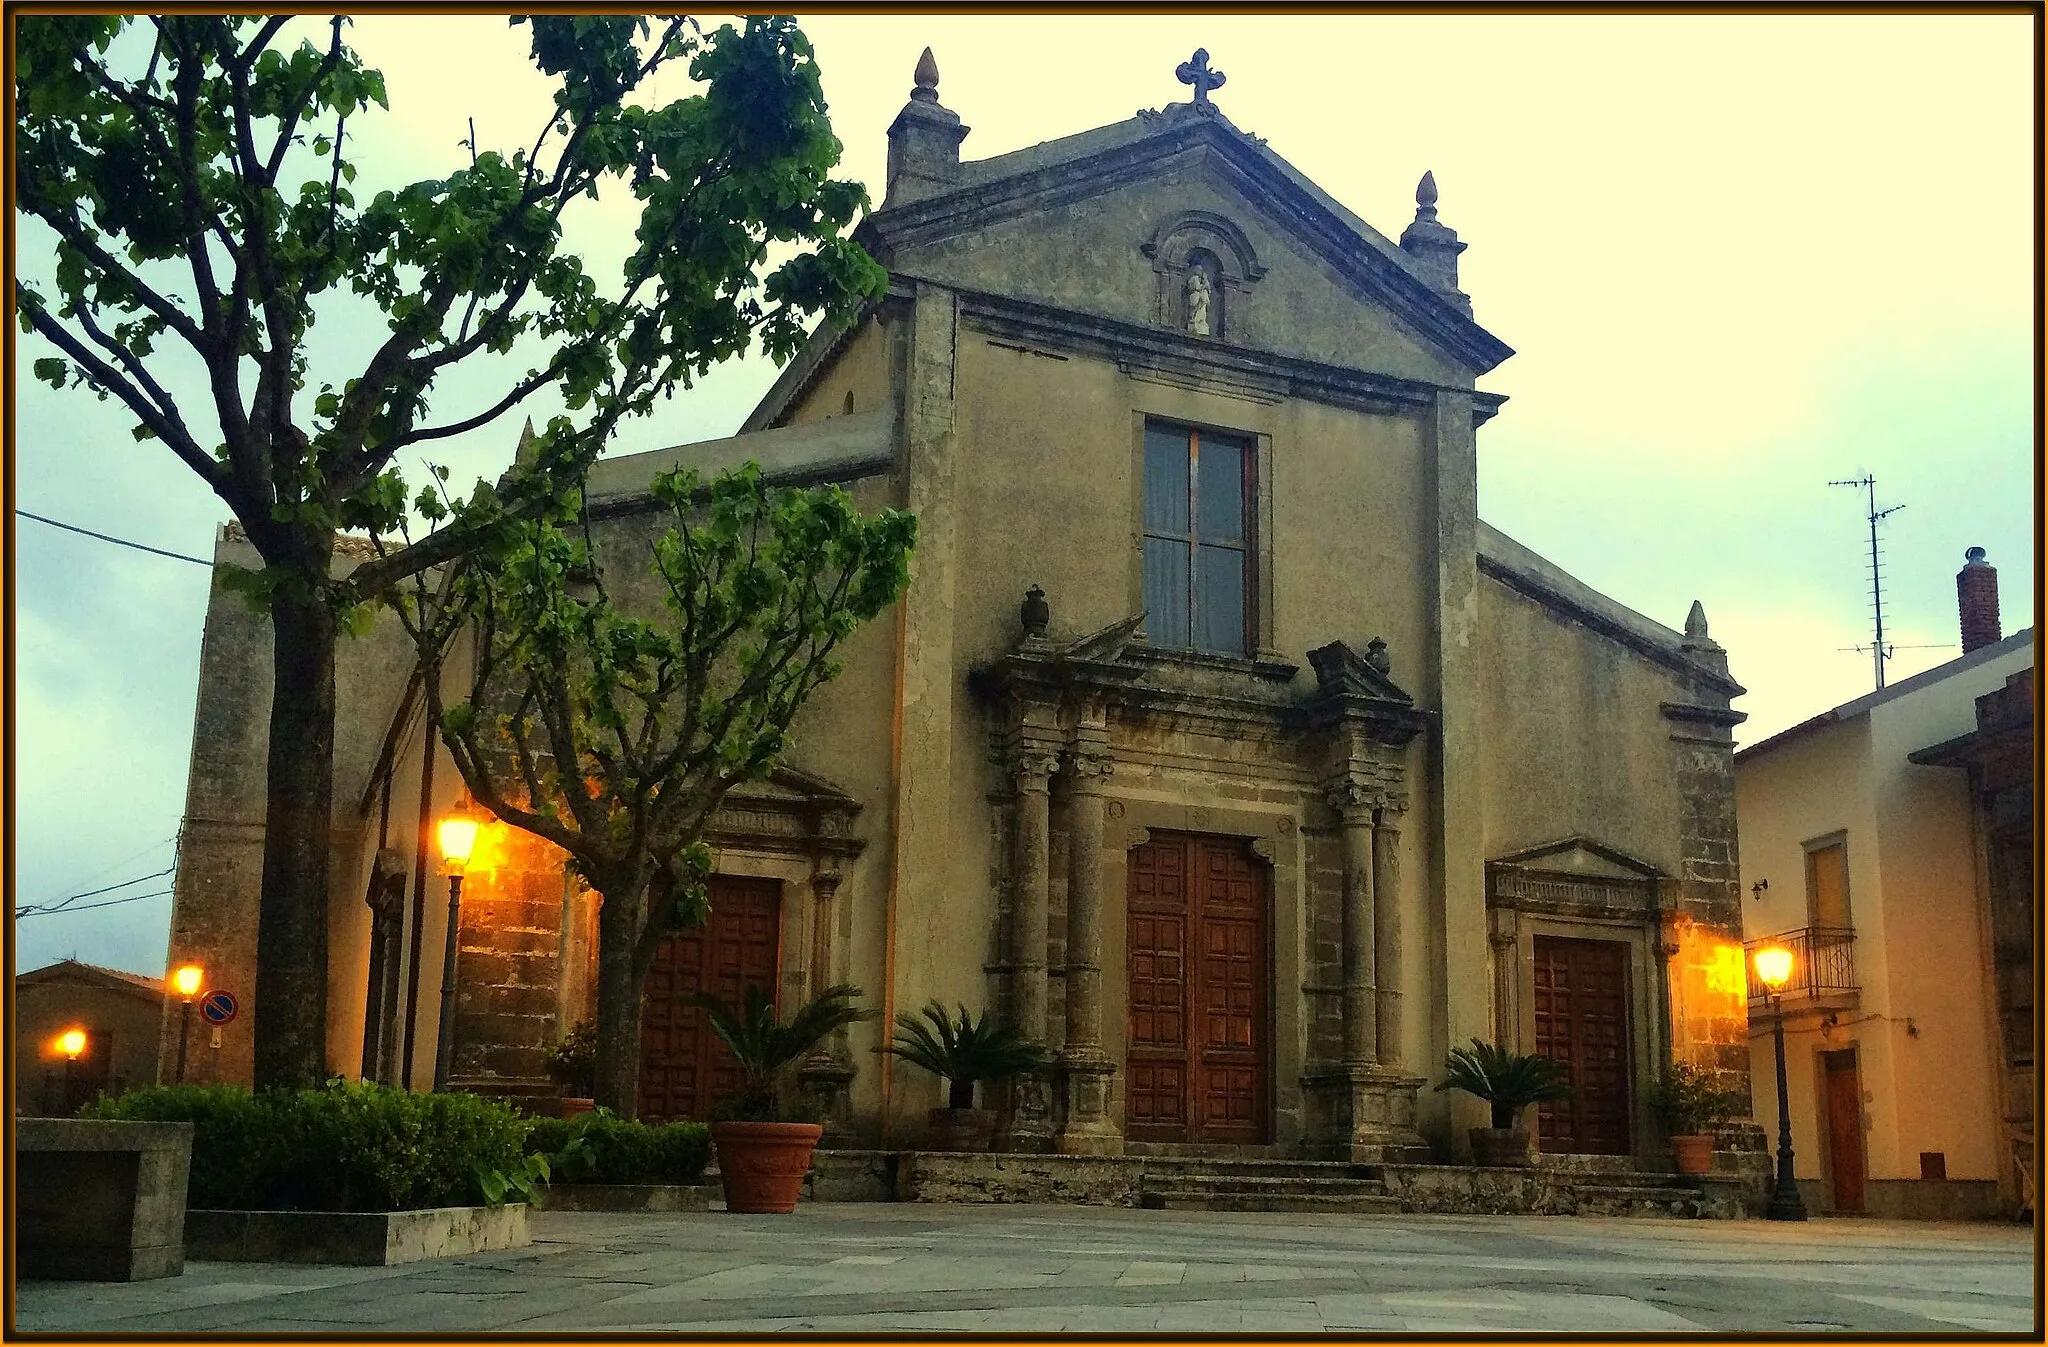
{"type": "Point", "coordinates": [615, 1150]}
{"type": "Point", "coordinates": [350, 1146]}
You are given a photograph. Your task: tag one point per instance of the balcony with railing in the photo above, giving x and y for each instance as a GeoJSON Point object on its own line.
{"type": "Point", "coordinates": [1823, 966]}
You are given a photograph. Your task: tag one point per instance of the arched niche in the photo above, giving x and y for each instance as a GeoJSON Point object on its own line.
{"type": "Point", "coordinates": [1206, 267]}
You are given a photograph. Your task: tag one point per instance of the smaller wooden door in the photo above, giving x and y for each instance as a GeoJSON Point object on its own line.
{"type": "Point", "coordinates": [1843, 1100]}
{"type": "Point", "coordinates": [684, 1068]}
{"type": "Point", "coordinates": [1581, 1001]}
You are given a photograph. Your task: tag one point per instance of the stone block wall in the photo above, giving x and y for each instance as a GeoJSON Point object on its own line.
{"type": "Point", "coordinates": [508, 971]}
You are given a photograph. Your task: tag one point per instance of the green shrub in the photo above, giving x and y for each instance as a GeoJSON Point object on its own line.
{"type": "Point", "coordinates": [350, 1146]}
{"type": "Point", "coordinates": [599, 1147]}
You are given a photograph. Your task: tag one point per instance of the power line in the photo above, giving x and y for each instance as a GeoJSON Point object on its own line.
{"type": "Point", "coordinates": [111, 902]}
{"type": "Point", "coordinates": [109, 538]}
{"type": "Point", "coordinates": [55, 903]}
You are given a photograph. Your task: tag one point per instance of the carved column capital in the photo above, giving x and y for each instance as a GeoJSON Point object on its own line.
{"type": "Point", "coordinates": [1088, 768]}
{"type": "Point", "coordinates": [1033, 767]}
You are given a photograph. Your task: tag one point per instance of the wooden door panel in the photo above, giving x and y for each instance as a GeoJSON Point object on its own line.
{"type": "Point", "coordinates": [1198, 1042]}
{"type": "Point", "coordinates": [684, 1068]}
{"type": "Point", "coordinates": [1844, 1091]}
{"type": "Point", "coordinates": [1580, 993]}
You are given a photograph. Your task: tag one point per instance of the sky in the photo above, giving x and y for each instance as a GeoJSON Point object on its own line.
{"type": "Point", "coordinates": [1738, 256]}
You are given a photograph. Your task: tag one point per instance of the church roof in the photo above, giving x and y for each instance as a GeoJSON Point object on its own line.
{"type": "Point", "coordinates": [1108, 156]}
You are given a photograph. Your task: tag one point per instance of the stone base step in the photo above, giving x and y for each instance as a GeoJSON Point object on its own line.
{"type": "Point", "coordinates": [1636, 1200]}
{"type": "Point", "coordinates": [1179, 1150]}
{"type": "Point", "coordinates": [1255, 1184]}
{"type": "Point", "coordinates": [1224, 1200]}
{"type": "Point", "coordinates": [1258, 1168]}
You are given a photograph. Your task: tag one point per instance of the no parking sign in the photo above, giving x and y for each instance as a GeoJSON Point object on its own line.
{"type": "Point", "coordinates": [219, 1007]}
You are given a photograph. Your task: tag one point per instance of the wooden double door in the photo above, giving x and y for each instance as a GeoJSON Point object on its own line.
{"type": "Point", "coordinates": [684, 1068]}
{"type": "Point", "coordinates": [1581, 1000]}
{"type": "Point", "coordinates": [1198, 1066]}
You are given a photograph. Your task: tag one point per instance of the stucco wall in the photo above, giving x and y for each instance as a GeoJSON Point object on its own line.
{"type": "Point", "coordinates": [123, 1027]}
{"type": "Point", "coordinates": [1921, 1023]}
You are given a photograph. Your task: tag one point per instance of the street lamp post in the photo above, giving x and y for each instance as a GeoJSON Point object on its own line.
{"type": "Point", "coordinates": [186, 982]}
{"type": "Point", "coordinates": [1774, 969]}
{"type": "Point", "coordinates": [458, 837]}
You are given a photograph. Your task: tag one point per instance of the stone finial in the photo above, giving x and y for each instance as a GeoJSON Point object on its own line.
{"type": "Point", "coordinates": [924, 141]}
{"type": "Point", "coordinates": [1698, 645]}
{"type": "Point", "coordinates": [528, 452]}
{"type": "Point", "coordinates": [1195, 71]}
{"type": "Point", "coordinates": [1425, 196]}
{"type": "Point", "coordinates": [926, 77]}
{"type": "Point", "coordinates": [1434, 245]}
{"type": "Point", "coordinates": [1036, 613]}
{"type": "Point", "coordinates": [1376, 655]}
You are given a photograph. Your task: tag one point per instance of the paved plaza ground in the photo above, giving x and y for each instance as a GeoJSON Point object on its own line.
{"type": "Point", "coordinates": [879, 1267]}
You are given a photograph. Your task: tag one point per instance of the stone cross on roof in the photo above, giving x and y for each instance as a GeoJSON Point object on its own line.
{"type": "Point", "coordinates": [1196, 71]}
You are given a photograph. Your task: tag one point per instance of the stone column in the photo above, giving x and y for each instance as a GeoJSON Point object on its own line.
{"type": "Point", "coordinates": [827, 1074]}
{"type": "Point", "coordinates": [1030, 1126]}
{"type": "Point", "coordinates": [1502, 940]}
{"type": "Point", "coordinates": [1386, 911]}
{"type": "Point", "coordinates": [1383, 1094]}
{"type": "Point", "coordinates": [1360, 961]}
{"type": "Point", "coordinates": [1086, 1127]}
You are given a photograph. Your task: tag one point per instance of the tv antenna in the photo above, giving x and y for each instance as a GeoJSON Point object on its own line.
{"type": "Point", "coordinates": [1879, 651]}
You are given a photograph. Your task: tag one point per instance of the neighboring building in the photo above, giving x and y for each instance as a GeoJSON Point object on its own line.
{"type": "Point", "coordinates": [118, 1012]}
{"type": "Point", "coordinates": [1218, 742]}
{"type": "Point", "coordinates": [1905, 890]}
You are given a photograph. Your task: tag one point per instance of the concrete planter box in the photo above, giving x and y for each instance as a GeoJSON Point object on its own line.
{"type": "Point", "coordinates": [99, 1200]}
{"type": "Point", "coordinates": [355, 1238]}
{"type": "Point", "coordinates": [629, 1197]}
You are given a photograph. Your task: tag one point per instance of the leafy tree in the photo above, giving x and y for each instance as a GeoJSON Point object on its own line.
{"type": "Point", "coordinates": [616, 737]}
{"type": "Point", "coordinates": [195, 176]}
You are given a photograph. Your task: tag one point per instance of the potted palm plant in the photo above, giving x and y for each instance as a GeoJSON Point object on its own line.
{"type": "Point", "coordinates": [961, 1052]}
{"type": "Point", "coordinates": [1690, 1105]}
{"type": "Point", "coordinates": [764, 1150]}
{"type": "Point", "coordinates": [1509, 1081]}
{"type": "Point", "coordinates": [572, 1065]}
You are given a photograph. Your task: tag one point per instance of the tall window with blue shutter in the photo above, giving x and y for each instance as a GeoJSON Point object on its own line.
{"type": "Point", "coordinates": [1198, 544]}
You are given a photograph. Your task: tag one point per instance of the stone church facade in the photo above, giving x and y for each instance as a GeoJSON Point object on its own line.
{"type": "Point", "coordinates": [1217, 741]}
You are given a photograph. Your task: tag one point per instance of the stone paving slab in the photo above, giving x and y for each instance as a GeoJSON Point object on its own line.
{"type": "Point", "coordinates": [884, 1267]}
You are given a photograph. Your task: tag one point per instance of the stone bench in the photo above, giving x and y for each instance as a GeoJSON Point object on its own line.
{"type": "Point", "coordinates": [100, 1200]}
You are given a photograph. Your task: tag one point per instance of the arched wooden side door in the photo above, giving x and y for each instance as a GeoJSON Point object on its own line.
{"type": "Point", "coordinates": [684, 1068]}
{"type": "Point", "coordinates": [1199, 1058]}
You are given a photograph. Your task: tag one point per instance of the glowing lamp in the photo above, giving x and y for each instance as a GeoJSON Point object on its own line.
{"type": "Point", "coordinates": [187, 980]}
{"type": "Point", "coordinates": [458, 837]}
{"type": "Point", "coordinates": [71, 1042]}
{"type": "Point", "coordinates": [1774, 966]}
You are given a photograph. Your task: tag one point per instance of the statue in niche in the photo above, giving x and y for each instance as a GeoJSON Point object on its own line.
{"type": "Point", "coordinates": [1199, 296]}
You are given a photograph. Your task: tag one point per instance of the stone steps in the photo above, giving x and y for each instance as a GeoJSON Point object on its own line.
{"type": "Point", "coordinates": [1206, 1200]}
{"type": "Point", "coordinates": [1259, 1168]}
{"type": "Point", "coordinates": [1664, 1199]}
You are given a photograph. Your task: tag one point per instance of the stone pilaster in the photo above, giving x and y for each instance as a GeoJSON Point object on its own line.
{"type": "Point", "coordinates": [1030, 1127]}
{"type": "Point", "coordinates": [1086, 1127]}
{"type": "Point", "coordinates": [1458, 1009]}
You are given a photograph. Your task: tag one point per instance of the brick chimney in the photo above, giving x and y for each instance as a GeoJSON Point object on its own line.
{"type": "Point", "coordinates": [1977, 600]}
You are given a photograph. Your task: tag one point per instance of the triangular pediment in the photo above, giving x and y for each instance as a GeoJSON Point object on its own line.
{"type": "Point", "coordinates": [791, 786]}
{"type": "Point", "coordinates": [1094, 230]}
{"type": "Point", "coordinates": [1582, 857]}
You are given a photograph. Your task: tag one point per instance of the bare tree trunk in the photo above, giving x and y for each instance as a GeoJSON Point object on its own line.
{"type": "Point", "coordinates": [290, 1004]}
{"type": "Point", "coordinates": [620, 979]}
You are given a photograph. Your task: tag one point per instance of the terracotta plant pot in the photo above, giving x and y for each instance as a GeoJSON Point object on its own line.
{"type": "Point", "coordinates": [762, 1164]}
{"type": "Point", "coordinates": [1695, 1154]}
{"type": "Point", "coordinates": [963, 1129]}
{"type": "Point", "coordinates": [575, 1106]}
{"type": "Point", "coordinates": [1500, 1146]}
